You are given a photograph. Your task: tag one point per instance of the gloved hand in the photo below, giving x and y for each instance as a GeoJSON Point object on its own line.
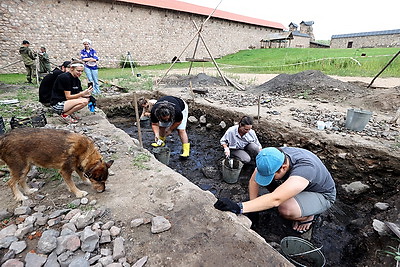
{"type": "Point", "coordinates": [227, 152]}
{"type": "Point", "coordinates": [160, 142]}
{"type": "Point", "coordinates": [226, 204]}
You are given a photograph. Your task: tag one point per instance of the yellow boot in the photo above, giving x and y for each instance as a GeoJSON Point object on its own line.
{"type": "Point", "coordinates": [160, 142]}
{"type": "Point", "coordinates": [186, 150]}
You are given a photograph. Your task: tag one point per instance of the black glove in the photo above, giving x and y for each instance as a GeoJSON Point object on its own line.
{"type": "Point", "coordinates": [226, 204]}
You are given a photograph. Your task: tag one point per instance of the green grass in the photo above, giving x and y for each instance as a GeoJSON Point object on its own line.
{"type": "Point", "coordinates": [341, 62]}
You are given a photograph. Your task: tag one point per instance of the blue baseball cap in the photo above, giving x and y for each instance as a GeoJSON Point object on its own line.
{"type": "Point", "coordinates": [268, 161]}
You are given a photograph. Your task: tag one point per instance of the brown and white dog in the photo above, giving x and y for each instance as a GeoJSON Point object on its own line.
{"type": "Point", "coordinates": [50, 148]}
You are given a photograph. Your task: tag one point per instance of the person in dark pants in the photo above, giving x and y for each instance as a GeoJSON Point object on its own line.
{"type": "Point", "coordinates": [28, 56]}
{"type": "Point", "coordinates": [46, 86]}
{"type": "Point", "coordinates": [44, 61]}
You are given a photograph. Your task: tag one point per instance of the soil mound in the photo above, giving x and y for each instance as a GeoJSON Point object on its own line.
{"type": "Point", "coordinates": [306, 82]}
{"type": "Point", "coordinates": [200, 79]}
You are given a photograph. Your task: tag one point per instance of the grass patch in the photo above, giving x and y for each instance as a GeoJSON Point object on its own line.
{"type": "Point", "coordinates": [364, 62]}
{"type": "Point", "coordinates": [52, 173]}
{"type": "Point", "coordinates": [140, 159]}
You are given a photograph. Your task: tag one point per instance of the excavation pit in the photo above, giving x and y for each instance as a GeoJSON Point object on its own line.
{"type": "Point", "coordinates": [345, 232]}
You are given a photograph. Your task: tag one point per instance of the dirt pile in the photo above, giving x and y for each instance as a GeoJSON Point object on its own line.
{"type": "Point", "coordinates": [307, 83]}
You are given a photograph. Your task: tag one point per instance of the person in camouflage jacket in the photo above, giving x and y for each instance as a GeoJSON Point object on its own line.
{"type": "Point", "coordinates": [44, 62]}
{"type": "Point", "coordinates": [28, 56]}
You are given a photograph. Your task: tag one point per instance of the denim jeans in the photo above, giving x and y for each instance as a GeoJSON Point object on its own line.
{"type": "Point", "coordinates": [93, 76]}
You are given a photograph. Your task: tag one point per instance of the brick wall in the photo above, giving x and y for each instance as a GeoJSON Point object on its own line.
{"type": "Point", "coordinates": [367, 41]}
{"type": "Point", "coordinates": [151, 35]}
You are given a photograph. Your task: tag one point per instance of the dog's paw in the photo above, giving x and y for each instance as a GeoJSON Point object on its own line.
{"type": "Point", "coordinates": [31, 190]}
{"type": "Point", "coordinates": [21, 197]}
{"type": "Point", "coordinates": [81, 194]}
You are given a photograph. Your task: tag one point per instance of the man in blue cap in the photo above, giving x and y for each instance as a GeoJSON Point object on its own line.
{"type": "Point", "coordinates": [305, 187]}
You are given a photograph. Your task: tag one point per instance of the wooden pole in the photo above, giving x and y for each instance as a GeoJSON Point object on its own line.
{"type": "Point", "coordinates": [194, 54]}
{"type": "Point", "coordinates": [259, 109]}
{"type": "Point", "coordinates": [197, 34]}
{"type": "Point", "coordinates": [138, 121]}
{"type": "Point", "coordinates": [387, 65]}
{"type": "Point", "coordinates": [209, 53]}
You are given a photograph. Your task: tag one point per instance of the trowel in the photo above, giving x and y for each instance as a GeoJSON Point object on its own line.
{"type": "Point", "coordinates": [230, 162]}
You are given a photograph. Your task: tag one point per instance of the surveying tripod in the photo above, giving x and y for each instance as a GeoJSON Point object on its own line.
{"type": "Point", "coordinates": [129, 59]}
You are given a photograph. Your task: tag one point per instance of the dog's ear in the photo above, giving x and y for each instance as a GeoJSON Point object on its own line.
{"type": "Point", "coordinates": [109, 163]}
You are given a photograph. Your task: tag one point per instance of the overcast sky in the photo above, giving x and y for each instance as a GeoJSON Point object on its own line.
{"type": "Point", "coordinates": [330, 18]}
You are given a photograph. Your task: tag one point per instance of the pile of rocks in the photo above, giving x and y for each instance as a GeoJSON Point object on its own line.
{"type": "Point", "coordinates": [67, 237]}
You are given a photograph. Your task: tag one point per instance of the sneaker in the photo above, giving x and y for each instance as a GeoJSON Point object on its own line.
{"type": "Point", "coordinates": [67, 119]}
{"type": "Point", "coordinates": [75, 117]}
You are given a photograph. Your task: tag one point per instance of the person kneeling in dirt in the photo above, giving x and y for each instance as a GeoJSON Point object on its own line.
{"type": "Point", "coordinates": [146, 105]}
{"type": "Point", "coordinates": [170, 113]}
{"type": "Point", "coordinates": [304, 188]}
{"type": "Point", "coordinates": [46, 86]}
{"type": "Point", "coordinates": [68, 96]}
{"type": "Point", "coordinates": [241, 142]}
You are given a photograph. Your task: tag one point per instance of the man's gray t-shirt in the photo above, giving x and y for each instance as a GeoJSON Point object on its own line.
{"type": "Point", "coordinates": [307, 165]}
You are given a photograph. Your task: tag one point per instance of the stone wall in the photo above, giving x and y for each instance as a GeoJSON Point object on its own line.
{"type": "Point", "coordinates": [300, 42]}
{"type": "Point", "coordinates": [367, 41]}
{"type": "Point", "coordinates": [151, 35]}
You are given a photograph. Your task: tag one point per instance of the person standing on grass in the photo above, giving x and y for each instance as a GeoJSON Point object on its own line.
{"type": "Point", "coordinates": [67, 95]}
{"type": "Point", "coordinates": [29, 57]}
{"type": "Point", "coordinates": [44, 61]}
{"type": "Point", "coordinates": [90, 58]}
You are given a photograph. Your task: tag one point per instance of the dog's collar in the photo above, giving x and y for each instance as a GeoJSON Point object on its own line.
{"type": "Point", "coordinates": [89, 173]}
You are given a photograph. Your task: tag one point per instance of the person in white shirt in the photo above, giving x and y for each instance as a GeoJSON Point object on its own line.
{"type": "Point", "coordinates": [241, 142]}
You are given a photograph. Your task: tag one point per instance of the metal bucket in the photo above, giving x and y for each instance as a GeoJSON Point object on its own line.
{"type": "Point", "coordinates": [231, 171]}
{"type": "Point", "coordinates": [302, 252]}
{"type": "Point", "coordinates": [162, 154]}
{"type": "Point", "coordinates": [356, 120]}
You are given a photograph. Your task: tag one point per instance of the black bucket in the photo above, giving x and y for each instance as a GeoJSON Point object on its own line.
{"type": "Point", "coordinates": [145, 122]}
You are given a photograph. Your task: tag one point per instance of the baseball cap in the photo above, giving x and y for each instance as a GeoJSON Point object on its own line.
{"type": "Point", "coordinates": [25, 42]}
{"type": "Point", "coordinates": [66, 64]}
{"type": "Point", "coordinates": [268, 161]}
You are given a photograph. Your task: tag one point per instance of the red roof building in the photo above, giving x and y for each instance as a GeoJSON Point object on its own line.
{"type": "Point", "coordinates": [200, 10]}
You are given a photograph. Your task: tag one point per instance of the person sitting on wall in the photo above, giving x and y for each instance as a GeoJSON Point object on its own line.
{"type": "Point", "coordinates": [46, 86]}
{"type": "Point", "coordinates": [67, 95]}
{"type": "Point", "coordinates": [240, 141]}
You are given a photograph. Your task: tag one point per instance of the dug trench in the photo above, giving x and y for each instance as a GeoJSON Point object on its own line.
{"type": "Point", "coordinates": [345, 232]}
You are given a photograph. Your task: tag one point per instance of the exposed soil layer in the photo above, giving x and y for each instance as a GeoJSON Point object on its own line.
{"type": "Point", "coordinates": [345, 232]}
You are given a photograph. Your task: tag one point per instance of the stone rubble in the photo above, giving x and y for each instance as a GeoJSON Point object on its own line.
{"type": "Point", "coordinates": [79, 239]}
{"type": "Point", "coordinates": [67, 236]}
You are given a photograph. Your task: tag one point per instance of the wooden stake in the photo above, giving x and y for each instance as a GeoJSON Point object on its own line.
{"type": "Point", "coordinates": [259, 108]}
{"type": "Point", "coordinates": [383, 69]}
{"type": "Point", "coordinates": [138, 121]}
